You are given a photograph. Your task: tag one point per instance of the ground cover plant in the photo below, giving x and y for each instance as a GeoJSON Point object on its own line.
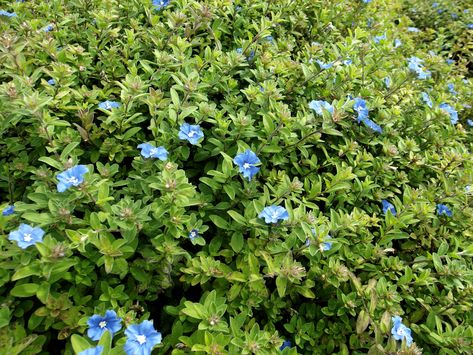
{"type": "Point", "coordinates": [236, 177]}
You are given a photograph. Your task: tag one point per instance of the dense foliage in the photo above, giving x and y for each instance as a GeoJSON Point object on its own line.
{"type": "Point", "coordinates": [239, 173]}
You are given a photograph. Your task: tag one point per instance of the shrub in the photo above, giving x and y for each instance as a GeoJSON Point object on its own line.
{"type": "Point", "coordinates": [252, 177]}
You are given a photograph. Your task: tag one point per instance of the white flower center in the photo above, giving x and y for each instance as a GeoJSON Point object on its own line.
{"type": "Point", "coordinates": [108, 106]}
{"type": "Point", "coordinates": [27, 237]}
{"type": "Point", "coordinates": [274, 215]}
{"type": "Point", "coordinates": [191, 134]}
{"type": "Point", "coordinates": [246, 166]}
{"type": "Point", "coordinates": [400, 331]}
{"type": "Point", "coordinates": [153, 151]}
{"type": "Point", "coordinates": [73, 180]}
{"type": "Point", "coordinates": [102, 324]}
{"type": "Point", "coordinates": [141, 339]}
{"type": "Point", "coordinates": [192, 234]}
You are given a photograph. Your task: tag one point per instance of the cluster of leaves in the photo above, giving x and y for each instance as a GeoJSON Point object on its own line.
{"type": "Point", "coordinates": [179, 240]}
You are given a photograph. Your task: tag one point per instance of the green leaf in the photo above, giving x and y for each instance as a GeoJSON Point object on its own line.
{"type": "Point", "coordinates": [39, 218]}
{"type": "Point", "coordinates": [24, 290]}
{"type": "Point", "coordinates": [69, 148]}
{"type": "Point", "coordinates": [237, 217]}
{"type": "Point", "coordinates": [362, 322]}
{"type": "Point", "coordinates": [25, 272]}
{"type": "Point", "coordinates": [52, 162]}
{"type": "Point", "coordinates": [219, 221]}
{"type": "Point", "coordinates": [281, 284]}
{"type": "Point", "coordinates": [79, 343]}
{"type": "Point", "coordinates": [4, 316]}
{"type": "Point", "coordinates": [237, 242]}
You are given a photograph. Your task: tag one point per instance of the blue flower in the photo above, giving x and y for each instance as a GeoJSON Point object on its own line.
{"type": "Point", "coordinates": [451, 111]}
{"type": "Point", "coordinates": [160, 4]}
{"type": "Point", "coordinates": [399, 331]}
{"type": "Point", "coordinates": [387, 82]}
{"type": "Point", "coordinates": [347, 61]}
{"type": "Point", "coordinates": [7, 14]}
{"type": "Point", "coordinates": [194, 233]}
{"type": "Point", "coordinates": [450, 61]}
{"type": "Point", "coordinates": [9, 210]}
{"type": "Point", "coordinates": [435, 4]}
{"type": "Point", "coordinates": [415, 65]}
{"type": "Point", "coordinates": [150, 151]}
{"type": "Point", "coordinates": [319, 106]}
{"type": "Point", "coordinates": [327, 245]}
{"type": "Point", "coordinates": [269, 39]}
{"type": "Point", "coordinates": [366, 1]}
{"type": "Point", "coordinates": [52, 82]}
{"type": "Point", "coordinates": [426, 99]}
{"type": "Point", "coordinates": [92, 351]}
{"type": "Point", "coordinates": [247, 162]}
{"type": "Point", "coordinates": [378, 39]}
{"type": "Point", "coordinates": [324, 65]}
{"type": "Point", "coordinates": [98, 324]}
{"type": "Point", "coordinates": [360, 107]}
{"type": "Point", "coordinates": [443, 209]}
{"type": "Point", "coordinates": [192, 133]}
{"type": "Point", "coordinates": [250, 57]}
{"type": "Point", "coordinates": [397, 43]}
{"type": "Point", "coordinates": [272, 214]}
{"type": "Point", "coordinates": [387, 206]}
{"type": "Point", "coordinates": [371, 124]}
{"type": "Point", "coordinates": [71, 177]}
{"type": "Point", "coordinates": [48, 28]}
{"type": "Point", "coordinates": [451, 88]}
{"type": "Point", "coordinates": [467, 188]}
{"type": "Point", "coordinates": [26, 235]}
{"type": "Point", "coordinates": [413, 29]}
{"type": "Point", "coordinates": [454, 16]}
{"type": "Point", "coordinates": [108, 105]}
{"type": "Point", "coordinates": [141, 338]}
{"type": "Point", "coordinates": [470, 26]}
{"type": "Point", "coordinates": [285, 344]}
{"type": "Point", "coordinates": [469, 122]}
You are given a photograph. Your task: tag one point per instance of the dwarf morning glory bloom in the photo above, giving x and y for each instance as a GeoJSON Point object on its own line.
{"type": "Point", "coordinates": [454, 16]}
{"type": "Point", "coordinates": [399, 331]}
{"type": "Point", "coordinates": [98, 324]}
{"type": "Point", "coordinates": [9, 210]}
{"type": "Point", "coordinates": [347, 61]}
{"type": "Point", "coordinates": [7, 14]}
{"type": "Point", "coordinates": [319, 106]}
{"type": "Point", "coordinates": [108, 105]}
{"type": "Point", "coordinates": [387, 82]}
{"type": "Point", "coordinates": [414, 64]}
{"type": "Point", "coordinates": [150, 151]}
{"type": "Point", "coordinates": [435, 4]}
{"type": "Point", "coordinates": [378, 39]}
{"type": "Point", "coordinates": [413, 29]}
{"type": "Point", "coordinates": [92, 351]}
{"type": "Point", "coordinates": [327, 245]}
{"type": "Point", "coordinates": [71, 177]}
{"type": "Point", "coordinates": [397, 43]}
{"type": "Point", "coordinates": [192, 133]}
{"type": "Point", "coordinates": [426, 99]}
{"type": "Point", "coordinates": [160, 4]}
{"type": "Point", "coordinates": [52, 82]}
{"type": "Point", "coordinates": [286, 344]}
{"type": "Point", "coordinates": [26, 235]}
{"type": "Point", "coordinates": [467, 188]}
{"type": "Point", "coordinates": [387, 206]}
{"type": "Point", "coordinates": [360, 107]}
{"type": "Point", "coordinates": [366, 1]}
{"type": "Point", "coordinates": [194, 233]}
{"type": "Point", "coordinates": [451, 88]}
{"type": "Point", "coordinates": [451, 111]}
{"type": "Point", "coordinates": [272, 214]}
{"type": "Point", "coordinates": [469, 122]}
{"type": "Point", "coordinates": [269, 39]}
{"type": "Point", "coordinates": [443, 209]}
{"type": "Point", "coordinates": [450, 61]}
{"type": "Point", "coordinates": [246, 162]}
{"type": "Point", "coordinates": [371, 124]}
{"type": "Point", "coordinates": [48, 28]}
{"type": "Point", "coordinates": [323, 65]}
{"type": "Point", "coordinates": [470, 26]}
{"type": "Point", "coordinates": [141, 338]}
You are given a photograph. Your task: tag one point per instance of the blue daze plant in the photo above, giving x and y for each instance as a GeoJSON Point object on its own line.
{"type": "Point", "coordinates": [360, 107]}
{"type": "Point", "coordinates": [247, 163]}
{"type": "Point", "coordinates": [8, 210]}
{"type": "Point", "coordinates": [141, 338]}
{"type": "Point", "coordinates": [99, 324]}
{"type": "Point", "coordinates": [400, 332]}
{"type": "Point", "coordinates": [150, 151]}
{"type": "Point", "coordinates": [191, 133]}
{"type": "Point", "coordinates": [387, 206]}
{"type": "Point", "coordinates": [320, 105]}
{"type": "Point", "coordinates": [160, 4]}
{"type": "Point", "coordinates": [71, 177]}
{"type": "Point", "coordinates": [194, 233]}
{"type": "Point", "coordinates": [273, 214]}
{"type": "Point", "coordinates": [108, 105]}
{"type": "Point", "coordinates": [92, 351]}
{"type": "Point", "coordinates": [443, 210]}
{"type": "Point", "coordinates": [450, 111]}
{"type": "Point", "coordinates": [26, 235]}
